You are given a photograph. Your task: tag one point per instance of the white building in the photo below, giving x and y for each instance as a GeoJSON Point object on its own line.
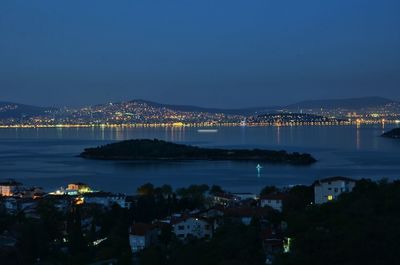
{"type": "Point", "coordinates": [8, 188]}
{"type": "Point", "coordinates": [330, 188]}
{"type": "Point", "coordinates": [192, 226]}
{"type": "Point", "coordinates": [78, 187]}
{"type": "Point", "coordinates": [105, 198]}
{"type": "Point", "coordinates": [274, 201]}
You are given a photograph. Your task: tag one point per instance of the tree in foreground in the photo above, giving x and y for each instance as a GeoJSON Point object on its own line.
{"type": "Point", "coordinates": [361, 227]}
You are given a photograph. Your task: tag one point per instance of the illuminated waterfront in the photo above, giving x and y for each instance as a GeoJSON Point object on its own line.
{"type": "Point", "coordinates": [204, 124]}
{"type": "Point", "coordinates": [150, 114]}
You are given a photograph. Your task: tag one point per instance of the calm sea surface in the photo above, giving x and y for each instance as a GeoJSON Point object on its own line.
{"type": "Point", "coordinates": [47, 157]}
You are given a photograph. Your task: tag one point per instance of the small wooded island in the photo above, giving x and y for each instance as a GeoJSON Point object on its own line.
{"type": "Point", "coordinates": [146, 149]}
{"type": "Point", "coordinates": [395, 133]}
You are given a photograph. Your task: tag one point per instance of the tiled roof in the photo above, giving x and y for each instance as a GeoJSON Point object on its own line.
{"type": "Point", "coordinates": [141, 229]}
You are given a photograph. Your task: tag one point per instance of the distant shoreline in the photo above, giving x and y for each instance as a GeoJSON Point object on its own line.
{"type": "Point", "coordinates": [196, 125]}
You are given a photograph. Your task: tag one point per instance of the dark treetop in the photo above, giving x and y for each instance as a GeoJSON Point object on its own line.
{"type": "Point", "coordinates": [161, 150]}
{"type": "Point", "coordinates": [395, 133]}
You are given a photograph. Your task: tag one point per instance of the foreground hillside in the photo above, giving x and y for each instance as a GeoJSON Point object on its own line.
{"type": "Point", "coordinates": [362, 227]}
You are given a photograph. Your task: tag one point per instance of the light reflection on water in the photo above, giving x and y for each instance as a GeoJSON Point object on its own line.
{"type": "Point", "coordinates": [47, 157]}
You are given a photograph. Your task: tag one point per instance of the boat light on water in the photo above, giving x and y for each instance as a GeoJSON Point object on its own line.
{"type": "Point", "coordinates": [207, 130]}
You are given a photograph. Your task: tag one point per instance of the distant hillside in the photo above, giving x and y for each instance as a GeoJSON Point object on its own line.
{"type": "Point", "coordinates": [14, 110]}
{"type": "Point", "coordinates": [189, 108]}
{"type": "Point", "coordinates": [350, 103]}
{"type": "Point", "coordinates": [148, 111]}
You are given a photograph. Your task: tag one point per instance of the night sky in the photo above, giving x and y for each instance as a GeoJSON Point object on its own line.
{"type": "Point", "coordinates": [209, 53]}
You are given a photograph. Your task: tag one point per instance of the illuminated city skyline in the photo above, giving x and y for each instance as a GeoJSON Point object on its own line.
{"type": "Point", "coordinates": [143, 113]}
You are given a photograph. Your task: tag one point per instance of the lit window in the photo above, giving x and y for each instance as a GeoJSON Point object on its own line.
{"type": "Point", "coordinates": [330, 197]}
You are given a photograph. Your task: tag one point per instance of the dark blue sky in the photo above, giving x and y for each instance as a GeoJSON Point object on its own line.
{"type": "Point", "coordinates": [209, 53]}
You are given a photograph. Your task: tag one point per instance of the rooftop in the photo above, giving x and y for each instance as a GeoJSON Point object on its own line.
{"type": "Point", "coordinates": [103, 194]}
{"type": "Point", "coordinates": [141, 229]}
{"type": "Point", "coordinates": [331, 179]}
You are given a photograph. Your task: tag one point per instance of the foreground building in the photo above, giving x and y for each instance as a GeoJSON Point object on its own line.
{"type": "Point", "coordinates": [106, 199]}
{"type": "Point", "coordinates": [275, 201]}
{"type": "Point", "coordinates": [9, 188]}
{"type": "Point", "coordinates": [78, 187]}
{"type": "Point", "coordinates": [329, 189]}
{"type": "Point", "coordinates": [142, 235]}
{"type": "Point", "coordinates": [184, 227]}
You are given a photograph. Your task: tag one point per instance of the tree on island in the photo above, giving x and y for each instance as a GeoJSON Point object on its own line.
{"type": "Point", "coordinates": [146, 149]}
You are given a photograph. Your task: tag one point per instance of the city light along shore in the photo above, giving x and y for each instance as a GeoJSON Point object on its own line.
{"type": "Point", "coordinates": [202, 124]}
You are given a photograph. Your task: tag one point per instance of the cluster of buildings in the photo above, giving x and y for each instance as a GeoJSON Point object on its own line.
{"type": "Point", "coordinates": [389, 112]}
{"type": "Point", "coordinates": [131, 112]}
{"type": "Point", "coordinates": [241, 208]}
{"type": "Point", "coordinates": [237, 207]}
{"type": "Point", "coordinates": [142, 113]}
{"type": "Point", "coordinates": [13, 194]}
{"type": "Point", "coordinates": [16, 198]}
{"type": "Point", "coordinates": [297, 119]}
{"type": "Point", "coordinates": [145, 112]}
{"type": "Point", "coordinates": [202, 224]}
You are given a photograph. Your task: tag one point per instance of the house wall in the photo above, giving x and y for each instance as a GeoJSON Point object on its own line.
{"type": "Point", "coordinates": [137, 243]}
{"type": "Point", "coordinates": [192, 226]}
{"type": "Point", "coordinates": [7, 190]}
{"type": "Point", "coordinates": [246, 220]}
{"type": "Point", "coordinates": [327, 191]}
{"type": "Point", "coordinates": [275, 204]}
{"type": "Point", "coordinates": [106, 201]}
